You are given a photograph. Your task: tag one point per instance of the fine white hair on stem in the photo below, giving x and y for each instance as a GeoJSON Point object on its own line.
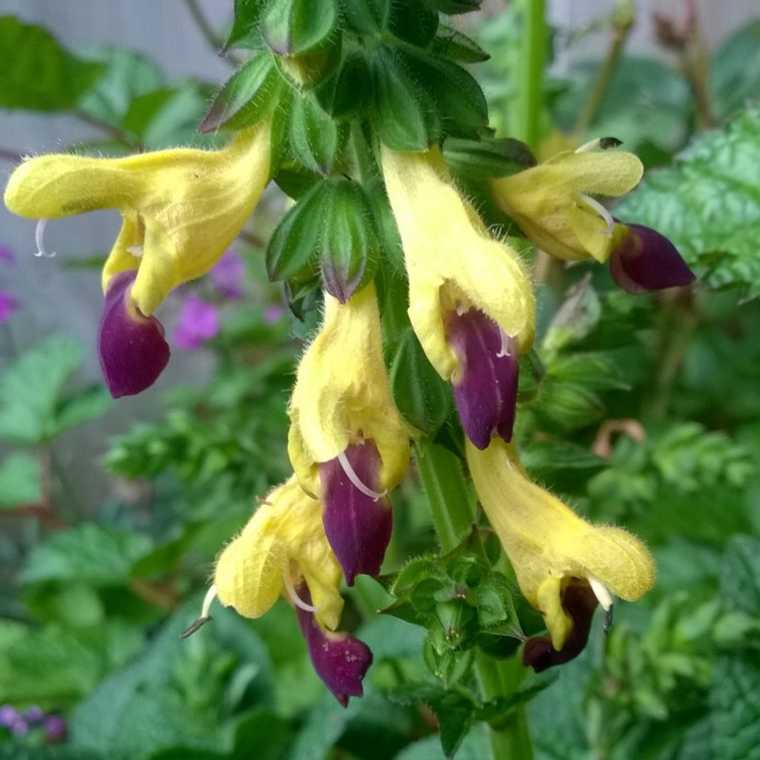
{"type": "Point", "coordinates": [600, 209]}
{"type": "Point", "coordinates": [356, 480]}
{"type": "Point", "coordinates": [39, 240]}
{"type": "Point", "coordinates": [293, 596]}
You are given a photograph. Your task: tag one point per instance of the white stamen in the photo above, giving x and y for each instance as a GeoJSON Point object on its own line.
{"type": "Point", "coordinates": [601, 210]}
{"type": "Point", "coordinates": [135, 250]}
{"type": "Point", "coordinates": [461, 309]}
{"type": "Point", "coordinates": [39, 240]}
{"type": "Point", "coordinates": [207, 601]}
{"type": "Point", "coordinates": [504, 350]}
{"type": "Point", "coordinates": [354, 478]}
{"type": "Point", "coordinates": [590, 145]}
{"type": "Point", "coordinates": [293, 596]}
{"type": "Point", "coordinates": [601, 592]}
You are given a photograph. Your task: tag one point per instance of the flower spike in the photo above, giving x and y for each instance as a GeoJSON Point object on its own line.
{"type": "Point", "coordinates": [643, 260]}
{"type": "Point", "coordinates": [471, 302]}
{"type": "Point", "coordinates": [553, 202]}
{"type": "Point", "coordinates": [552, 549]}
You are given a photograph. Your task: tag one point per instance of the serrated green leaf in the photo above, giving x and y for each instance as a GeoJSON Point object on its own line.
{"type": "Point", "coordinates": [39, 74]}
{"type": "Point", "coordinates": [20, 481]}
{"type": "Point", "coordinates": [420, 395]}
{"type": "Point", "coordinates": [735, 709]}
{"type": "Point", "coordinates": [735, 71]}
{"type": "Point", "coordinates": [293, 27]}
{"type": "Point", "coordinates": [708, 204]}
{"type": "Point", "coordinates": [740, 574]}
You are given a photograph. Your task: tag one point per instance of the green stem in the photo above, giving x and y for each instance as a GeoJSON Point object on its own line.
{"type": "Point", "coordinates": [530, 73]}
{"type": "Point", "coordinates": [452, 506]}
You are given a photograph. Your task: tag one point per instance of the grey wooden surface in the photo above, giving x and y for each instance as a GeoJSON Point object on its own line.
{"type": "Point", "coordinates": [57, 300]}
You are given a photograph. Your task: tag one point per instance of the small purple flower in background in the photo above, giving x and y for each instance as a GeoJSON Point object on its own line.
{"type": "Point", "coordinates": [8, 305]}
{"type": "Point", "coordinates": [198, 322]}
{"type": "Point", "coordinates": [274, 313]}
{"type": "Point", "coordinates": [55, 729]}
{"type": "Point", "coordinates": [8, 716]}
{"type": "Point", "coordinates": [228, 275]}
{"type": "Point", "coordinates": [6, 254]}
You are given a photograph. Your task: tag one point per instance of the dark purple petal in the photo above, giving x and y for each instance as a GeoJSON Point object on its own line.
{"type": "Point", "coordinates": [486, 393]}
{"type": "Point", "coordinates": [8, 305]}
{"type": "Point", "coordinates": [358, 526]}
{"type": "Point", "coordinates": [55, 729]}
{"type": "Point", "coordinates": [579, 602]}
{"type": "Point", "coordinates": [133, 352]}
{"type": "Point", "coordinates": [228, 275]}
{"type": "Point", "coordinates": [644, 260]}
{"type": "Point", "coordinates": [198, 322]}
{"type": "Point", "coordinates": [340, 660]}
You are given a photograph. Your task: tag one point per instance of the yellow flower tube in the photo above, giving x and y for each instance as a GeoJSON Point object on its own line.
{"type": "Point", "coordinates": [550, 547]}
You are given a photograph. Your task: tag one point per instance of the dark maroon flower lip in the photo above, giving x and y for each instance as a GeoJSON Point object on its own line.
{"type": "Point", "coordinates": [339, 659]}
{"type": "Point", "coordinates": [486, 389]}
{"type": "Point", "coordinates": [358, 520]}
{"type": "Point", "coordinates": [643, 260]}
{"type": "Point", "coordinates": [579, 601]}
{"type": "Point", "coordinates": [132, 348]}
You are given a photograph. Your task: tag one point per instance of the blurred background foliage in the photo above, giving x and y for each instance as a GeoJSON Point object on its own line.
{"type": "Point", "coordinates": [642, 411]}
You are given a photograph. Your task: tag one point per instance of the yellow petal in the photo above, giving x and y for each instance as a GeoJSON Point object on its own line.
{"type": "Point", "coordinates": [451, 259]}
{"type": "Point", "coordinates": [188, 204]}
{"type": "Point", "coordinates": [546, 200]}
{"type": "Point", "coordinates": [545, 540]}
{"type": "Point", "coordinates": [342, 393]}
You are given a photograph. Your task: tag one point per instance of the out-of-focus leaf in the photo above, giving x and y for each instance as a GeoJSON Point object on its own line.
{"type": "Point", "coordinates": [475, 746]}
{"type": "Point", "coordinates": [39, 74]}
{"type": "Point", "coordinates": [740, 574]}
{"type": "Point", "coordinates": [86, 405]}
{"type": "Point", "coordinates": [20, 481]}
{"type": "Point", "coordinates": [708, 204]}
{"type": "Point", "coordinates": [735, 71]}
{"type": "Point", "coordinates": [89, 552]}
{"type": "Point", "coordinates": [30, 387]}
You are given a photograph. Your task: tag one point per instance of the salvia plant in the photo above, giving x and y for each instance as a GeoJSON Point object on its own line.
{"type": "Point", "coordinates": [412, 237]}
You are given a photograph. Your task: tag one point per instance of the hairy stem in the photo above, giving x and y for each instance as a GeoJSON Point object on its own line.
{"type": "Point", "coordinates": [452, 505]}
{"type": "Point", "coordinates": [530, 72]}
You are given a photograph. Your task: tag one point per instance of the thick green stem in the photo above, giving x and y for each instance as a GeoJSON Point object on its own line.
{"type": "Point", "coordinates": [452, 506]}
{"type": "Point", "coordinates": [530, 73]}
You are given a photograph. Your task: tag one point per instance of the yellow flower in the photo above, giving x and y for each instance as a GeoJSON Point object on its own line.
{"type": "Point", "coordinates": [553, 202]}
{"type": "Point", "coordinates": [453, 264]}
{"type": "Point", "coordinates": [342, 394]}
{"type": "Point", "coordinates": [282, 545]}
{"type": "Point", "coordinates": [180, 208]}
{"type": "Point", "coordinates": [549, 546]}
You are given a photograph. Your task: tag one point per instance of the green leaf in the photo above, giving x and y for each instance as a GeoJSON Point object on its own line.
{"type": "Point", "coordinates": [30, 388]}
{"type": "Point", "coordinates": [89, 553]}
{"type": "Point", "coordinates": [293, 27]}
{"type": "Point", "coordinates": [349, 92]}
{"type": "Point", "coordinates": [86, 405]}
{"type": "Point", "coordinates": [314, 137]}
{"type": "Point", "coordinates": [486, 158]}
{"type": "Point", "coordinates": [475, 746]}
{"type": "Point", "coordinates": [349, 244]}
{"type": "Point", "coordinates": [243, 31]}
{"type": "Point", "coordinates": [421, 396]}
{"type": "Point", "coordinates": [245, 97]}
{"type": "Point", "coordinates": [576, 318]}
{"type": "Point", "coordinates": [740, 574]}
{"type": "Point", "coordinates": [735, 71]}
{"type": "Point", "coordinates": [38, 73]}
{"type": "Point", "coordinates": [20, 481]}
{"type": "Point", "coordinates": [452, 44]}
{"type": "Point", "coordinates": [708, 204]}
{"type": "Point", "coordinates": [735, 709]}
{"type": "Point", "coordinates": [293, 245]}
{"type": "Point", "coordinates": [453, 7]}
{"type": "Point", "coordinates": [412, 21]}
{"type": "Point", "coordinates": [365, 17]}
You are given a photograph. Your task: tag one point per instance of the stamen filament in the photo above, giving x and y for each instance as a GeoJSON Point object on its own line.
{"type": "Point", "coordinates": [504, 350]}
{"type": "Point", "coordinates": [356, 480]}
{"type": "Point", "coordinates": [204, 616]}
{"type": "Point", "coordinates": [601, 593]}
{"type": "Point", "coordinates": [293, 596]}
{"type": "Point", "coordinates": [39, 240]}
{"type": "Point", "coordinates": [601, 210]}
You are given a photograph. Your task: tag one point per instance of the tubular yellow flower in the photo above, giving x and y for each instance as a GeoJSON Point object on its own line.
{"type": "Point", "coordinates": [283, 545]}
{"type": "Point", "coordinates": [180, 208]}
{"type": "Point", "coordinates": [550, 547]}
{"type": "Point", "coordinates": [452, 263]}
{"type": "Point", "coordinates": [342, 394]}
{"type": "Point", "coordinates": [554, 205]}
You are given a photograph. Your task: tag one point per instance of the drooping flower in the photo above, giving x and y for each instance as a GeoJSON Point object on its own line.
{"type": "Point", "coordinates": [198, 322]}
{"type": "Point", "coordinates": [347, 440]}
{"type": "Point", "coordinates": [555, 205]}
{"type": "Point", "coordinates": [132, 348]}
{"type": "Point", "coordinates": [556, 555]}
{"type": "Point", "coordinates": [471, 302]}
{"type": "Point", "coordinates": [228, 275]}
{"type": "Point", "coordinates": [283, 550]}
{"type": "Point", "coordinates": [643, 260]}
{"type": "Point", "coordinates": [180, 208]}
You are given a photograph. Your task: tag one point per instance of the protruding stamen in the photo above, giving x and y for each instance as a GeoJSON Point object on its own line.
{"type": "Point", "coordinates": [601, 593]}
{"type": "Point", "coordinates": [204, 616]}
{"type": "Point", "coordinates": [505, 341]}
{"type": "Point", "coordinates": [293, 595]}
{"type": "Point", "coordinates": [601, 210]}
{"type": "Point", "coordinates": [356, 480]}
{"type": "Point", "coordinates": [599, 143]}
{"type": "Point", "coordinates": [608, 619]}
{"type": "Point", "coordinates": [39, 240]}
{"type": "Point", "coordinates": [135, 250]}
